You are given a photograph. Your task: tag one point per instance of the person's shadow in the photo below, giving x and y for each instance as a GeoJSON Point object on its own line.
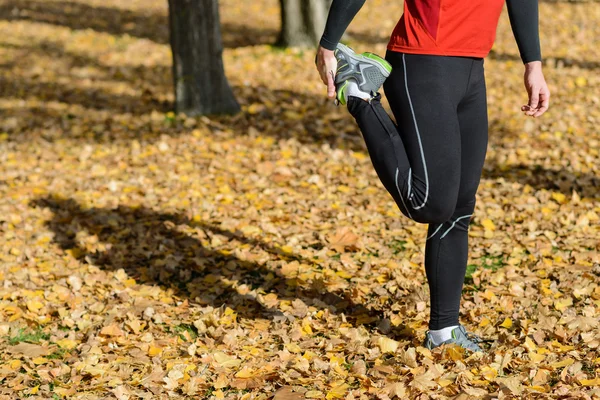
{"type": "Point", "coordinates": [172, 250]}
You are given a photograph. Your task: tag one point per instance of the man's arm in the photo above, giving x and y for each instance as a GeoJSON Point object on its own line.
{"type": "Point", "coordinates": [524, 19]}
{"type": "Point", "coordinates": [341, 13]}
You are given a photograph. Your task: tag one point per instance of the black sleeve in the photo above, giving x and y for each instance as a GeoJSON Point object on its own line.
{"type": "Point", "coordinates": [524, 19]}
{"type": "Point", "coordinates": [341, 14]}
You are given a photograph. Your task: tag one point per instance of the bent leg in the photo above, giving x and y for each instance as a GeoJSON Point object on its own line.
{"type": "Point", "coordinates": [419, 160]}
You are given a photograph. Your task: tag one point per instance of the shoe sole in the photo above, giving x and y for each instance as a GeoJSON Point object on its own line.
{"type": "Point", "coordinates": [384, 67]}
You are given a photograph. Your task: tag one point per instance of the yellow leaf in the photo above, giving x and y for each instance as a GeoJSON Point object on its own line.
{"type": "Point", "coordinates": [226, 361]}
{"type": "Point", "coordinates": [286, 154]}
{"type": "Point", "coordinates": [489, 373]}
{"type": "Point", "coordinates": [396, 320]}
{"type": "Point", "coordinates": [15, 365]}
{"type": "Point", "coordinates": [67, 344]}
{"type": "Point", "coordinates": [484, 322]}
{"type": "Point", "coordinates": [34, 305]}
{"type": "Point", "coordinates": [255, 108]}
{"type": "Point", "coordinates": [561, 304]}
{"type": "Point", "coordinates": [387, 345]}
{"type": "Point", "coordinates": [154, 351]}
{"type": "Point", "coordinates": [287, 249]}
{"type": "Point", "coordinates": [580, 81]}
{"type": "Point", "coordinates": [529, 345]}
{"type": "Point", "coordinates": [40, 360]}
{"type": "Point", "coordinates": [488, 225]}
{"type": "Point", "coordinates": [536, 357]}
{"type": "Point", "coordinates": [507, 323]}
{"type": "Point", "coordinates": [245, 373]}
{"type": "Point", "coordinates": [293, 348]}
{"type": "Point", "coordinates": [590, 382]}
{"type": "Point", "coordinates": [344, 274]}
{"type": "Point", "coordinates": [314, 394]}
{"type": "Point", "coordinates": [338, 391]}
{"type": "Point", "coordinates": [34, 389]}
{"type": "Point", "coordinates": [538, 388]}
{"type": "Point", "coordinates": [306, 328]}
{"type": "Point", "coordinates": [454, 353]}
{"type": "Point", "coordinates": [559, 197]}
{"type": "Point", "coordinates": [129, 282]}
{"type": "Point", "coordinates": [564, 363]}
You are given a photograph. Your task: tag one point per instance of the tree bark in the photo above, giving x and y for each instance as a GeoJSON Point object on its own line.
{"type": "Point", "coordinates": [302, 22]}
{"type": "Point", "coordinates": [201, 86]}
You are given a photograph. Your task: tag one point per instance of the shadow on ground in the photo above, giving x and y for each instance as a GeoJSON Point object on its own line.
{"type": "Point", "coordinates": [305, 117]}
{"type": "Point", "coordinates": [308, 118]}
{"type": "Point", "coordinates": [151, 25]}
{"type": "Point", "coordinates": [564, 181]}
{"type": "Point", "coordinates": [549, 61]}
{"type": "Point", "coordinates": [152, 248]}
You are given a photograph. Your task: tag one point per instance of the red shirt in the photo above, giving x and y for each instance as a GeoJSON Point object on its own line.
{"type": "Point", "coordinates": [447, 27]}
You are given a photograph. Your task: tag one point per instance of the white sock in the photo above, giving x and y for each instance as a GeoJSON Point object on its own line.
{"type": "Point", "coordinates": [441, 335]}
{"type": "Point", "coordinates": [353, 90]}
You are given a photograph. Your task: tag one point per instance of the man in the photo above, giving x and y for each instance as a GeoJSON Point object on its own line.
{"type": "Point", "coordinates": [431, 161]}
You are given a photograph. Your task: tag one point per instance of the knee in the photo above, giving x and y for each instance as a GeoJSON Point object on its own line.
{"type": "Point", "coordinates": [434, 213]}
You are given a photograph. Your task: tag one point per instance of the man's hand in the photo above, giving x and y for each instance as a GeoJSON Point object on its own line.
{"type": "Point", "coordinates": [327, 66]}
{"type": "Point", "coordinates": [539, 95]}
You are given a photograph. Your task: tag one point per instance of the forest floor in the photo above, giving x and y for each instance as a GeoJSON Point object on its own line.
{"type": "Point", "coordinates": [147, 255]}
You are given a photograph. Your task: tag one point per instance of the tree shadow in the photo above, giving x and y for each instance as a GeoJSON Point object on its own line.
{"type": "Point", "coordinates": [172, 251]}
{"type": "Point", "coordinates": [94, 98]}
{"type": "Point", "coordinates": [559, 179]}
{"type": "Point", "coordinates": [538, 177]}
{"type": "Point", "coordinates": [283, 114]}
{"type": "Point", "coordinates": [149, 24]}
{"type": "Point", "coordinates": [554, 62]}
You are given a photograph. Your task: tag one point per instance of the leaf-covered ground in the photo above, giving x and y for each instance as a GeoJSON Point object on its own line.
{"type": "Point", "coordinates": [146, 255]}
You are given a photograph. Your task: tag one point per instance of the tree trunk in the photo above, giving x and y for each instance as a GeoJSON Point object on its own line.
{"type": "Point", "coordinates": [302, 22]}
{"type": "Point", "coordinates": [201, 86]}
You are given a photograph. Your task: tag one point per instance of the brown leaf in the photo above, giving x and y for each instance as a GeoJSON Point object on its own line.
{"type": "Point", "coordinates": [29, 350]}
{"type": "Point", "coordinates": [111, 330]}
{"type": "Point", "coordinates": [344, 239]}
{"type": "Point", "coordinates": [286, 393]}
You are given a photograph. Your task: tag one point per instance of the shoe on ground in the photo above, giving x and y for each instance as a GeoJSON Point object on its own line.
{"type": "Point", "coordinates": [460, 336]}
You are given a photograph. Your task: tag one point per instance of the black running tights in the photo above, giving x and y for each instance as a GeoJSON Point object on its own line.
{"type": "Point", "coordinates": [431, 161]}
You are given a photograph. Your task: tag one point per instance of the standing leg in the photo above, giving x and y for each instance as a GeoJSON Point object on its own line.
{"type": "Point", "coordinates": [447, 244]}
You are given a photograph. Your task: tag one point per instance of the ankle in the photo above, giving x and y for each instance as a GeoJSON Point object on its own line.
{"type": "Point", "coordinates": [441, 335]}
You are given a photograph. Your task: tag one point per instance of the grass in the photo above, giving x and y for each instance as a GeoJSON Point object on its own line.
{"type": "Point", "coordinates": [33, 337]}
{"type": "Point", "coordinates": [57, 355]}
{"type": "Point", "coordinates": [488, 262]}
{"type": "Point", "coordinates": [397, 246]}
{"type": "Point", "coordinates": [190, 329]}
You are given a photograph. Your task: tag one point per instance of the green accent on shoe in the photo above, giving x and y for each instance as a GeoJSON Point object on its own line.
{"type": "Point", "coordinates": [368, 70]}
{"type": "Point", "coordinates": [375, 57]}
{"type": "Point", "coordinates": [341, 94]}
{"type": "Point", "coordinates": [340, 67]}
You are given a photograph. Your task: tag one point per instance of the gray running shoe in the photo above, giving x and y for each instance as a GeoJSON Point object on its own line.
{"type": "Point", "coordinates": [460, 337]}
{"type": "Point", "coordinates": [367, 70]}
